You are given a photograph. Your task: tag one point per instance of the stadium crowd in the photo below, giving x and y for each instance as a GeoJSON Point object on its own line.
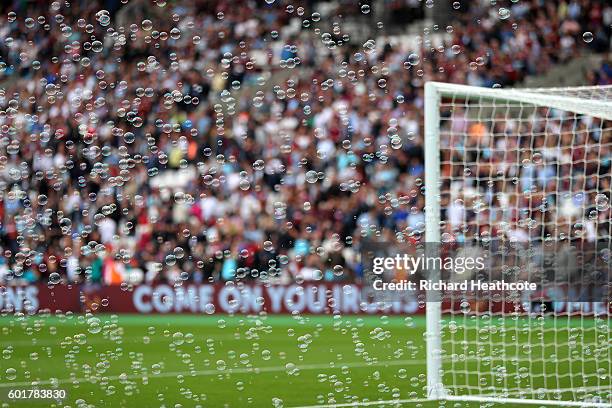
{"type": "Point", "coordinates": [602, 75]}
{"type": "Point", "coordinates": [200, 140]}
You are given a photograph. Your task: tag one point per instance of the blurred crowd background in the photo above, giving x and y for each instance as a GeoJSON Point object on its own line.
{"type": "Point", "coordinates": [216, 140]}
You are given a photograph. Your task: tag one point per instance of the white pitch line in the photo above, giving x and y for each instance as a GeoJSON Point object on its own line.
{"type": "Point", "coordinates": [367, 403]}
{"type": "Point", "coordinates": [203, 373]}
{"type": "Point", "coordinates": [477, 398]}
{"type": "Point", "coordinates": [575, 389]}
{"type": "Point", "coordinates": [43, 343]}
{"type": "Point", "coordinates": [516, 401]}
{"type": "Point", "coordinates": [96, 340]}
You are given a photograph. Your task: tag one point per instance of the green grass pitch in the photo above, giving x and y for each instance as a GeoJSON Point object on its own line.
{"type": "Point", "coordinates": [251, 361]}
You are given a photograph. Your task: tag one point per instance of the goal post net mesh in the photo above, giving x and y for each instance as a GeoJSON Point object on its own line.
{"type": "Point", "coordinates": [526, 168]}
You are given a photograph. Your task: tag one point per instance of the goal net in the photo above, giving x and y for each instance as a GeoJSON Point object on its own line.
{"type": "Point", "coordinates": [524, 174]}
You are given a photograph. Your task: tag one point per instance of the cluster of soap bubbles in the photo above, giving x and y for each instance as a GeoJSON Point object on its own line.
{"type": "Point", "coordinates": [185, 143]}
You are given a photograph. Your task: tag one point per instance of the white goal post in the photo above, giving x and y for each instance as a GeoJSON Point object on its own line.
{"type": "Point", "coordinates": [519, 165]}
